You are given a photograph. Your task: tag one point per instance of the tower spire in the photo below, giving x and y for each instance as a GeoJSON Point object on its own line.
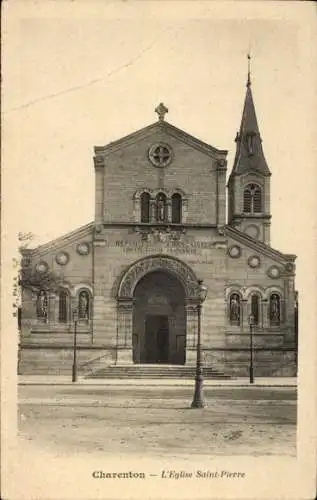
{"type": "Point", "coordinates": [249, 70]}
{"type": "Point", "coordinates": [249, 183]}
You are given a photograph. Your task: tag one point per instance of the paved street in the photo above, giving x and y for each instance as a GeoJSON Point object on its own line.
{"type": "Point", "coordinates": [152, 420]}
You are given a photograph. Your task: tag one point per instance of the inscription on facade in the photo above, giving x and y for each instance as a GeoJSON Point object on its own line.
{"type": "Point", "coordinates": [188, 247]}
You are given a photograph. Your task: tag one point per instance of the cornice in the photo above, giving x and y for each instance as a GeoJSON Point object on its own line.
{"type": "Point", "coordinates": [63, 240]}
{"type": "Point", "coordinates": [167, 128]}
{"type": "Point", "coordinates": [258, 246]}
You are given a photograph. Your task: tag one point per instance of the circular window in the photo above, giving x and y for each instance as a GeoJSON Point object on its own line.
{"type": "Point", "coordinates": [41, 267]}
{"type": "Point", "coordinates": [254, 261]}
{"type": "Point", "coordinates": [234, 251]}
{"type": "Point", "coordinates": [83, 248]}
{"type": "Point", "coordinates": [160, 155]}
{"type": "Point", "coordinates": [62, 258]}
{"type": "Point", "coordinates": [273, 272]}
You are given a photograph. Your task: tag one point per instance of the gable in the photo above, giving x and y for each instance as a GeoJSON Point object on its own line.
{"type": "Point", "coordinates": [167, 129]}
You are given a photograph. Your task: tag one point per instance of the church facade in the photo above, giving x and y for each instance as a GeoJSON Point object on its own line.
{"type": "Point", "coordinates": [131, 278]}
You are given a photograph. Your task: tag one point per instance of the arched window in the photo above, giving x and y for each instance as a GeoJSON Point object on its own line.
{"type": "Point", "coordinates": [63, 306]}
{"type": "Point", "coordinates": [161, 207]}
{"type": "Point", "coordinates": [234, 309]}
{"type": "Point", "coordinates": [255, 308]}
{"type": "Point", "coordinates": [176, 208]}
{"type": "Point", "coordinates": [42, 305]}
{"type": "Point", "coordinates": [84, 305]}
{"type": "Point", "coordinates": [145, 207]}
{"type": "Point", "coordinates": [252, 199]}
{"type": "Point", "coordinates": [275, 309]}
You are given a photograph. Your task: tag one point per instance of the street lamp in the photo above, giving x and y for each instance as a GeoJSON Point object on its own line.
{"type": "Point", "coordinates": [74, 370]}
{"type": "Point", "coordinates": [198, 401]}
{"type": "Point", "coordinates": [251, 324]}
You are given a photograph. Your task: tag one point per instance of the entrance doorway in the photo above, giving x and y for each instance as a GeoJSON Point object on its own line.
{"type": "Point", "coordinates": [156, 338]}
{"type": "Point", "coordinates": [159, 320]}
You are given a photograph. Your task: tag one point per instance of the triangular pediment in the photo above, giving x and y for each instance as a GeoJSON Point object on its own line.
{"type": "Point", "coordinates": [168, 129]}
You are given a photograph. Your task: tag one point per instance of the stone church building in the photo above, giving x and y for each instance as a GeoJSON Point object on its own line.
{"type": "Point", "coordinates": [130, 278]}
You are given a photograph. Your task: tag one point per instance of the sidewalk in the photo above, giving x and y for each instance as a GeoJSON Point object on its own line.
{"type": "Point", "coordinates": [238, 382]}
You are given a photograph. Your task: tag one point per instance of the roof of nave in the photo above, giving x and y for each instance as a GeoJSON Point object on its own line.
{"type": "Point", "coordinates": [62, 241]}
{"type": "Point", "coordinates": [257, 245]}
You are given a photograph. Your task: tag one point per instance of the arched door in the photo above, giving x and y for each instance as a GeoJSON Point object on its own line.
{"type": "Point", "coordinates": [159, 319]}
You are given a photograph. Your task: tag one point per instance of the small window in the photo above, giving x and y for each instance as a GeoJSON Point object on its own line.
{"type": "Point", "coordinates": [176, 208]}
{"type": "Point", "coordinates": [84, 305]}
{"type": "Point", "coordinates": [63, 307]}
{"type": "Point", "coordinates": [161, 207]}
{"type": "Point", "coordinates": [257, 201]}
{"type": "Point", "coordinates": [145, 207]}
{"type": "Point", "coordinates": [250, 143]}
{"type": "Point", "coordinates": [247, 201]}
{"type": "Point", "coordinates": [275, 309]}
{"type": "Point", "coordinates": [252, 199]}
{"type": "Point", "coordinates": [255, 308]}
{"type": "Point", "coordinates": [234, 311]}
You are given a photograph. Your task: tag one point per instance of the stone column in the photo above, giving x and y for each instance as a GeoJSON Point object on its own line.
{"type": "Point", "coordinates": [244, 315]}
{"type": "Point", "coordinates": [152, 210]}
{"type": "Point", "coordinates": [137, 209]}
{"type": "Point", "coordinates": [99, 187]}
{"type": "Point", "coordinates": [169, 209]}
{"type": "Point", "coordinates": [265, 314]}
{"type": "Point", "coordinates": [124, 332]}
{"type": "Point", "coordinates": [191, 333]}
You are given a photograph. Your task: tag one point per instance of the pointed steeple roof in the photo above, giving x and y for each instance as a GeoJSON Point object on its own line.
{"type": "Point", "coordinates": [249, 153]}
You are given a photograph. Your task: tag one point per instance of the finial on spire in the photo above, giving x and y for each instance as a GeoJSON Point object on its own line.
{"type": "Point", "coordinates": [161, 110]}
{"type": "Point", "coordinates": [249, 70]}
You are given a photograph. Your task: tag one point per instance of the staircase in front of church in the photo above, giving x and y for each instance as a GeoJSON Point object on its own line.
{"type": "Point", "coordinates": [156, 371]}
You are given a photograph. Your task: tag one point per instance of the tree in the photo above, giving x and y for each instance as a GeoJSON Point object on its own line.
{"type": "Point", "coordinates": [29, 277]}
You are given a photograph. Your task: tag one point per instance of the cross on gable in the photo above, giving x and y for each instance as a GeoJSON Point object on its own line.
{"type": "Point", "coordinates": [161, 110]}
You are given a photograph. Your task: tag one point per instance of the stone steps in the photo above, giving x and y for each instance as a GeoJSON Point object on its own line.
{"type": "Point", "coordinates": [154, 372]}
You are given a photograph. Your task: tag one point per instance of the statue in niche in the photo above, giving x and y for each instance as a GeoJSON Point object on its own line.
{"type": "Point", "coordinates": [160, 208]}
{"type": "Point", "coordinates": [275, 309]}
{"type": "Point", "coordinates": [235, 308]}
{"type": "Point", "coordinates": [83, 305]}
{"type": "Point", "coordinates": [42, 305]}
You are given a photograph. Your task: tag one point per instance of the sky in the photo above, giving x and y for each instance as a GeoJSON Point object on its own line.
{"type": "Point", "coordinates": [75, 78]}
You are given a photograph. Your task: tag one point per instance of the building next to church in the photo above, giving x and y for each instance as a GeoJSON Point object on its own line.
{"type": "Point", "coordinates": [132, 275]}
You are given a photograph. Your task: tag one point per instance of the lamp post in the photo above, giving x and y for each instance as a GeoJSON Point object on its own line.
{"type": "Point", "coordinates": [198, 401]}
{"type": "Point", "coordinates": [74, 369]}
{"type": "Point", "coordinates": [251, 324]}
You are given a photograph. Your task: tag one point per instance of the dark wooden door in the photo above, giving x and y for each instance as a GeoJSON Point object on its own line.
{"type": "Point", "coordinates": [156, 339]}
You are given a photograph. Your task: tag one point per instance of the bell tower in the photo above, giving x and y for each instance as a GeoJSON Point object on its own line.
{"type": "Point", "coordinates": [249, 181]}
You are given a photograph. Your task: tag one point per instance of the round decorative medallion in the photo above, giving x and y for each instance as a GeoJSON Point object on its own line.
{"type": "Point", "coordinates": [289, 267]}
{"type": "Point", "coordinates": [62, 258]}
{"type": "Point", "coordinates": [234, 251]}
{"type": "Point", "coordinates": [274, 272]}
{"type": "Point", "coordinates": [160, 155]}
{"type": "Point", "coordinates": [41, 266]}
{"type": "Point", "coordinates": [254, 261]}
{"type": "Point", "coordinates": [83, 248]}
{"type": "Point", "coordinates": [253, 231]}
